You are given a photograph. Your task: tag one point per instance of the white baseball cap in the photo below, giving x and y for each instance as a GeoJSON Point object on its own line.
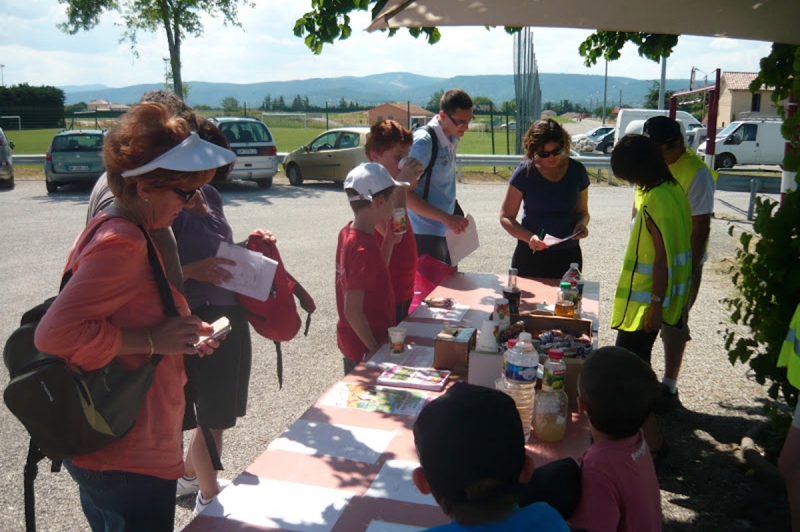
{"type": "Point", "coordinates": [368, 179]}
{"type": "Point", "coordinates": [192, 155]}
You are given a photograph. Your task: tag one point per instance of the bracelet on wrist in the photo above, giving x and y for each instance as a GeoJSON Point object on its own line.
{"type": "Point", "coordinates": [150, 342]}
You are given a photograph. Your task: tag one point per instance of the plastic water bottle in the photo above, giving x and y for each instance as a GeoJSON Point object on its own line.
{"type": "Point", "coordinates": [521, 364]}
{"type": "Point", "coordinates": [574, 277]}
{"type": "Point", "coordinates": [551, 408]}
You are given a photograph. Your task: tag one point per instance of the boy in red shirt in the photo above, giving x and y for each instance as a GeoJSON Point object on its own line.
{"type": "Point", "coordinates": [619, 488]}
{"type": "Point", "coordinates": [388, 143]}
{"type": "Point", "coordinates": [364, 295]}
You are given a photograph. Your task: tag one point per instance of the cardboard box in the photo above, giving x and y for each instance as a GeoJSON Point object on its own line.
{"type": "Point", "coordinates": [575, 327]}
{"type": "Point", "coordinates": [484, 367]}
{"type": "Point", "coordinates": [451, 348]}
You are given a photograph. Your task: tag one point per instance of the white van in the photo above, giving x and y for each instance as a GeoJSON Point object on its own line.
{"type": "Point", "coordinates": [626, 116]}
{"type": "Point", "coordinates": [748, 142]}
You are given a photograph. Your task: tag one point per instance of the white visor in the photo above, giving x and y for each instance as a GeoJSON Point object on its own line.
{"type": "Point", "coordinates": [192, 155]}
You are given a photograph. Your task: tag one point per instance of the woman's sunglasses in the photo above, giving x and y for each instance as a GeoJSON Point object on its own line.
{"type": "Point", "coordinates": [546, 154]}
{"type": "Point", "coordinates": [187, 196]}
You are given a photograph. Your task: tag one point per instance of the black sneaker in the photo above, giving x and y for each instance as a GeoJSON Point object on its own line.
{"type": "Point", "coordinates": [668, 401]}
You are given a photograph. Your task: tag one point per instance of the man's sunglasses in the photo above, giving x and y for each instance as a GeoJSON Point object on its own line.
{"type": "Point", "coordinates": [187, 196]}
{"type": "Point", "coordinates": [459, 123]}
{"type": "Point", "coordinates": [546, 154]}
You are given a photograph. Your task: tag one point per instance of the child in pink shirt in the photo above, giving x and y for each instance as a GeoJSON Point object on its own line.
{"type": "Point", "coordinates": [619, 489]}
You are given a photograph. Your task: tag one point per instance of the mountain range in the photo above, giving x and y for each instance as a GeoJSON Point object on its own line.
{"type": "Point", "coordinates": [389, 87]}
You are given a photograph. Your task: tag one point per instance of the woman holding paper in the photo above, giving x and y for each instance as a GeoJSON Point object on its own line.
{"type": "Point", "coordinates": [553, 190]}
{"type": "Point", "coordinates": [217, 387]}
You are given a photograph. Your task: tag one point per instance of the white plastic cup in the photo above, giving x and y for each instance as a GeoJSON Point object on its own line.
{"type": "Point", "coordinates": [397, 337]}
{"type": "Point", "coordinates": [487, 341]}
{"type": "Point", "coordinates": [399, 221]}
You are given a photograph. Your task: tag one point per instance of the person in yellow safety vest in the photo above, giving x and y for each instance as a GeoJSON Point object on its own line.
{"type": "Point", "coordinates": [655, 280]}
{"type": "Point", "coordinates": [789, 461]}
{"type": "Point", "coordinates": [698, 182]}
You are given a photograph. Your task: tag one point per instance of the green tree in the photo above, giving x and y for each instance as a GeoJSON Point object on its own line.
{"type": "Point", "coordinates": [297, 103]}
{"type": "Point", "coordinates": [433, 102]}
{"type": "Point", "coordinates": [509, 107]}
{"type": "Point", "coordinates": [230, 104]}
{"type": "Point", "coordinates": [169, 79]}
{"type": "Point", "coordinates": [75, 107]}
{"type": "Point", "coordinates": [266, 105]}
{"type": "Point", "coordinates": [483, 100]}
{"type": "Point", "coordinates": [178, 18]}
{"type": "Point", "coordinates": [651, 97]}
{"type": "Point", "coordinates": [280, 104]}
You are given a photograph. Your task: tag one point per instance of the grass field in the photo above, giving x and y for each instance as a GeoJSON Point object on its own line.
{"type": "Point", "coordinates": [29, 142]}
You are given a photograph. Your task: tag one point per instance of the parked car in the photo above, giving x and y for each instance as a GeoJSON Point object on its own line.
{"type": "Point", "coordinates": [74, 156]}
{"type": "Point", "coordinates": [605, 143]}
{"type": "Point", "coordinates": [328, 157]}
{"type": "Point", "coordinates": [748, 142]}
{"type": "Point", "coordinates": [595, 134]}
{"type": "Point", "coordinates": [511, 126]}
{"type": "Point", "coordinates": [6, 162]}
{"type": "Point", "coordinates": [631, 120]}
{"type": "Point", "coordinates": [252, 142]}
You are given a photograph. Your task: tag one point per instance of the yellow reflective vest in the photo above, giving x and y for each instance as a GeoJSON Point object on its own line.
{"type": "Point", "coordinates": [790, 352]}
{"type": "Point", "coordinates": [666, 205]}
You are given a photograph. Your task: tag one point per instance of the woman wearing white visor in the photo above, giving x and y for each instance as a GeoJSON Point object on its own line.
{"type": "Point", "coordinates": [112, 308]}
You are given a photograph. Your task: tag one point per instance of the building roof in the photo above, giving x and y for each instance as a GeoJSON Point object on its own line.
{"type": "Point", "coordinates": [740, 81]}
{"type": "Point", "coordinates": [415, 109]}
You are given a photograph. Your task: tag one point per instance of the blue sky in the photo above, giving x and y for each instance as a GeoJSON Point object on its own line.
{"type": "Point", "coordinates": [34, 51]}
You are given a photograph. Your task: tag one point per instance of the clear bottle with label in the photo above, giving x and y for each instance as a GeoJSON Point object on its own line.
{"type": "Point", "coordinates": [520, 366]}
{"type": "Point", "coordinates": [551, 407]}
{"type": "Point", "coordinates": [575, 278]}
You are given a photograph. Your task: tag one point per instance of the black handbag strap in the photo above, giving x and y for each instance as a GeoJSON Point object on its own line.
{"type": "Point", "coordinates": [434, 154]}
{"type": "Point", "coordinates": [35, 455]}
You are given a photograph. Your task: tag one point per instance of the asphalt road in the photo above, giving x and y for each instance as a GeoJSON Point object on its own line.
{"type": "Point", "coordinates": [39, 228]}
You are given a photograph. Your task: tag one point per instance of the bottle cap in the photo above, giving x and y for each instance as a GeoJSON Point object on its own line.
{"type": "Point", "coordinates": [525, 337]}
{"type": "Point", "coordinates": [565, 285]}
{"type": "Point", "coordinates": [555, 354]}
{"type": "Point", "coordinates": [573, 265]}
{"type": "Point", "coordinates": [511, 342]}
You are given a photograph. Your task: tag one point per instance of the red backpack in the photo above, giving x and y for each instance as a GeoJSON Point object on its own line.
{"type": "Point", "coordinates": [277, 318]}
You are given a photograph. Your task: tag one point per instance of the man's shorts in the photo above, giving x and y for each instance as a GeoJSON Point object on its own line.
{"type": "Point", "coordinates": [680, 333]}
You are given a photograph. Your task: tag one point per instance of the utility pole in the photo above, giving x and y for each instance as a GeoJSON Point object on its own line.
{"type": "Point", "coordinates": [662, 88]}
{"type": "Point", "coordinates": [2, 78]}
{"type": "Point", "coordinates": [620, 98]}
{"type": "Point", "coordinates": [605, 93]}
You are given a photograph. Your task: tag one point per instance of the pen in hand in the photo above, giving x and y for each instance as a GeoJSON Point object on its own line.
{"type": "Point", "coordinates": [541, 235]}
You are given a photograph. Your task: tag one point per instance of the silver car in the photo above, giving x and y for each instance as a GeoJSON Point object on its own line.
{"type": "Point", "coordinates": [73, 157]}
{"type": "Point", "coordinates": [254, 146]}
{"type": "Point", "coordinates": [6, 162]}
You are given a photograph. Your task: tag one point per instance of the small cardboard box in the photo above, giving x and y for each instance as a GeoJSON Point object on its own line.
{"type": "Point", "coordinates": [575, 327]}
{"type": "Point", "coordinates": [451, 348]}
{"type": "Point", "coordinates": [484, 367]}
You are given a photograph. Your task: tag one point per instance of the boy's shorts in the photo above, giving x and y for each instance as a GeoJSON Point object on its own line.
{"type": "Point", "coordinates": [217, 385]}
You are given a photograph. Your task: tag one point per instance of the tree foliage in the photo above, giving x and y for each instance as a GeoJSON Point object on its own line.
{"type": "Point", "coordinates": [177, 18]}
{"type": "Point", "coordinates": [608, 45]}
{"type": "Point", "coordinates": [434, 101]}
{"type": "Point", "coordinates": [27, 101]}
{"type": "Point", "coordinates": [329, 20]}
{"type": "Point", "coordinates": [230, 105]}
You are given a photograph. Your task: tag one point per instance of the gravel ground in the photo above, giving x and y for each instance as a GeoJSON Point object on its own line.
{"type": "Point", "coordinates": [705, 484]}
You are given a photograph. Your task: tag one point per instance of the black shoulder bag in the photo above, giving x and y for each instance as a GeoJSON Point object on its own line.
{"type": "Point", "coordinates": [458, 211]}
{"type": "Point", "coordinates": [68, 411]}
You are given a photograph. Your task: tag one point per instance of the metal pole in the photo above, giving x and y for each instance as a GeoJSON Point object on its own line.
{"type": "Point", "coordinates": [662, 88]}
{"type": "Point", "coordinates": [788, 177]}
{"type": "Point", "coordinates": [326, 116]}
{"type": "Point", "coordinates": [2, 77]}
{"type": "Point", "coordinates": [408, 114]}
{"type": "Point", "coordinates": [711, 133]}
{"type": "Point", "coordinates": [605, 92]}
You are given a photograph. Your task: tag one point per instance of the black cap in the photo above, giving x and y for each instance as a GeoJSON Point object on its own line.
{"type": "Point", "coordinates": [469, 434]}
{"type": "Point", "coordinates": [662, 129]}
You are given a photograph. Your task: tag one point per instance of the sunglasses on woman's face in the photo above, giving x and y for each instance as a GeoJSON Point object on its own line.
{"type": "Point", "coordinates": [186, 195]}
{"type": "Point", "coordinates": [546, 154]}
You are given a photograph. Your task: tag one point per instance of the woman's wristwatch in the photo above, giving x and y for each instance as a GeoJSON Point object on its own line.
{"type": "Point", "coordinates": [656, 299]}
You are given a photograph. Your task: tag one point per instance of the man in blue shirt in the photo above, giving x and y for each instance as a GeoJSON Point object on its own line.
{"type": "Point", "coordinates": [432, 206]}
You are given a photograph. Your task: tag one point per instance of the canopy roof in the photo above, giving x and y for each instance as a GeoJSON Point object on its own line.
{"type": "Point", "coordinates": [761, 20]}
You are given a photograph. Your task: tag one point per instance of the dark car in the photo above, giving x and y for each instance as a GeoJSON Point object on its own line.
{"type": "Point", "coordinates": [73, 157]}
{"type": "Point", "coordinates": [606, 143]}
{"type": "Point", "coordinates": [6, 162]}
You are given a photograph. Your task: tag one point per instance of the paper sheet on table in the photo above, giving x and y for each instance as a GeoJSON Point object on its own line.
{"type": "Point", "coordinates": [414, 356]}
{"type": "Point", "coordinates": [461, 245]}
{"type": "Point", "coordinates": [551, 240]}
{"type": "Point", "coordinates": [253, 273]}
{"type": "Point", "coordinates": [377, 398]}
{"type": "Point", "coordinates": [456, 313]}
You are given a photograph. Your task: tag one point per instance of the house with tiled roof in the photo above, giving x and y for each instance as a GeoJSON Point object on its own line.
{"type": "Point", "coordinates": [399, 112]}
{"type": "Point", "coordinates": [102, 105]}
{"type": "Point", "coordinates": [736, 102]}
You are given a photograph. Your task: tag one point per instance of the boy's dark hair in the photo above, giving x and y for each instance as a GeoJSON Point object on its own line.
{"type": "Point", "coordinates": [472, 449]}
{"type": "Point", "coordinates": [453, 100]}
{"type": "Point", "coordinates": [357, 205]}
{"type": "Point", "coordinates": [638, 160]}
{"type": "Point", "coordinates": [618, 390]}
